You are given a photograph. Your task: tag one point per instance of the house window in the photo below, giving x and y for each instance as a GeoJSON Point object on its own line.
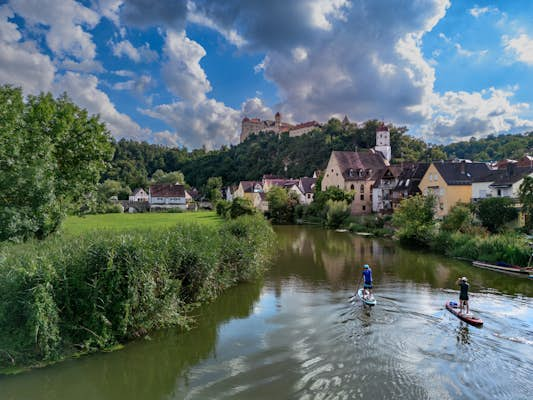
{"type": "Point", "coordinates": [362, 188]}
{"type": "Point", "coordinates": [362, 197]}
{"type": "Point", "coordinates": [352, 187]}
{"type": "Point", "coordinates": [308, 195]}
{"type": "Point", "coordinates": [499, 192]}
{"type": "Point", "coordinates": [364, 208]}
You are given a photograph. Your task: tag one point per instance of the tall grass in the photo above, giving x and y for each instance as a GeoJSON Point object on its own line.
{"type": "Point", "coordinates": [63, 296]}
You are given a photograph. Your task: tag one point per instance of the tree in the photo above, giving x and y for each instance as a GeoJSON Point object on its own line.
{"type": "Point", "coordinates": [318, 206]}
{"type": "Point", "coordinates": [525, 196]}
{"type": "Point", "coordinates": [240, 206]}
{"type": "Point", "coordinates": [415, 219]}
{"type": "Point", "coordinates": [112, 188]}
{"type": "Point", "coordinates": [495, 212]}
{"type": "Point", "coordinates": [213, 189]}
{"type": "Point", "coordinates": [459, 219]}
{"type": "Point", "coordinates": [171, 177]}
{"type": "Point", "coordinates": [51, 155]}
{"type": "Point", "coordinates": [281, 205]}
{"type": "Point", "coordinates": [337, 212]}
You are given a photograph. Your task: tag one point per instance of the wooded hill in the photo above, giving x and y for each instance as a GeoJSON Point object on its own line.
{"type": "Point", "coordinates": [285, 156]}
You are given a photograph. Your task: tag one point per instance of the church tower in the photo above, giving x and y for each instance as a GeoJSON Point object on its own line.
{"type": "Point", "coordinates": [277, 117]}
{"type": "Point", "coordinates": [383, 141]}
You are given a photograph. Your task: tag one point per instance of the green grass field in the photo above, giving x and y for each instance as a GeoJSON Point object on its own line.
{"type": "Point", "coordinates": [124, 222]}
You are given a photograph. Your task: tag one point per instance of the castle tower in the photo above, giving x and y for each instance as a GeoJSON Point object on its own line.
{"type": "Point", "coordinates": [277, 117]}
{"type": "Point", "coordinates": [383, 141]}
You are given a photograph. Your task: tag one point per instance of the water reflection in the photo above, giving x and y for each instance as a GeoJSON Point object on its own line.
{"type": "Point", "coordinates": [301, 335]}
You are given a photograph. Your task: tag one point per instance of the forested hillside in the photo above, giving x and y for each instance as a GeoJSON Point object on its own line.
{"type": "Point", "coordinates": [266, 153]}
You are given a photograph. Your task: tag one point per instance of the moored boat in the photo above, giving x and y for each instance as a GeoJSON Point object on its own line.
{"type": "Point", "coordinates": [503, 267]}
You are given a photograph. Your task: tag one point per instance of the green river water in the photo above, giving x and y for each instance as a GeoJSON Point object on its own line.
{"type": "Point", "coordinates": [298, 335]}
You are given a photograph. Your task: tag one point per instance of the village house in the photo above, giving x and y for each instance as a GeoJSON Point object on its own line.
{"type": "Point", "coordinates": [307, 187]}
{"type": "Point", "coordinates": [383, 189]}
{"type": "Point", "coordinates": [408, 181]}
{"type": "Point", "coordinates": [355, 172]}
{"type": "Point", "coordinates": [358, 171]}
{"type": "Point", "coordinates": [138, 195]}
{"type": "Point", "coordinates": [163, 196]}
{"type": "Point", "coordinates": [253, 191]}
{"type": "Point", "coordinates": [507, 182]}
{"type": "Point", "coordinates": [451, 183]}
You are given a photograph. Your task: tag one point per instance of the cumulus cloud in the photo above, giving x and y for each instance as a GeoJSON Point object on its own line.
{"type": "Point", "coordinates": [146, 13]}
{"type": "Point", "coordinates": [182, 71]}
{"type": "Point", "coordinates": [255, 108]}
{"type": "Point", "coordinates": [21, 63]}
{"type": "Point", "coordinates": [460, 115]}
{"type": "Point", "coordinates": [64, 21]}
{"type": "Point", "coordinates": [124, 48]}
{"type": "Point", "coordinates": [520, 47]}
{"type": "Point", "coordinates": [83, 90]}
{"type": "Point", "coordinates": [137, 86]}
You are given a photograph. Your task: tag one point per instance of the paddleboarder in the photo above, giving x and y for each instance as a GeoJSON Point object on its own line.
{"type": "Point", "coordinates": [367, 283]}
{"type": "Point", "coordinates": [463, 295]}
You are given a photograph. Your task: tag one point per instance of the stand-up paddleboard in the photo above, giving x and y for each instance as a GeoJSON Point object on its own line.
{"type": "Point", "coordinates": [454, 308]}
{"type": "Point", "coordinates": [370, 301]}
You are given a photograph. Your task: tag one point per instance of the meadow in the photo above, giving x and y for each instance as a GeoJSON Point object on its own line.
{"type": "Point", "coordinates": [74, 225]}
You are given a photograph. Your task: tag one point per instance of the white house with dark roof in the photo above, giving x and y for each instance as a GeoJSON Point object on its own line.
{"type": "Point", "coordinates": [307, 187]}
{"type": "Point", "coordinates": [138, 195]}
{"type": "Point", "coordinates": [167, 195]}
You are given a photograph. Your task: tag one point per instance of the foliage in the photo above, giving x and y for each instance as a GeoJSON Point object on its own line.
{"type": "Point", "coordinates": [110, 188]}
{"type": "Point", "coordinates": [281, 205]}
{"type": "Point", "coordinates": [213, 189]}
{"type": "Point", "coordinates": [222, 208]}
{"type": "Point", "coordinates": [415, 219]}
{"type": "Point", "coordinates": [67, 295]}
{"type": "Point", "coordinates": [240, 206]}
{"type": "Point", "coordinates": [318, 206]}
{"type": "Point", "coordinates": [337, 212]}
{"type": "Point", "coordinates": [509, 247]}
{"type": "Point", "coordinates": [492, 147]}
{"type": "Point", "coordinates": [525, 196]}
{"type": "Point", "coordinates": [459, 219]}
{"type": "Point", "coordinates": [173, 177]}
{"type": "Point", "coordinates": [495, 212]}
{"type": "Point", "coordinates": [52, 154]}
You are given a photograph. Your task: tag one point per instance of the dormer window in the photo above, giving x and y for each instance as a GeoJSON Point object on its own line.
{"type": "Point", "coordinates": [351, 173]}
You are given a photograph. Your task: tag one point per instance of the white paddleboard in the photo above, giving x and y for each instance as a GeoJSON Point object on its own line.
{"type": "Point", "coordinates": [370, 301]}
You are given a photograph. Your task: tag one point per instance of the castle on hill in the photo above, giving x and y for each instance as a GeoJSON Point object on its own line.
{"type": "Point", "coordinates": [256, 125]}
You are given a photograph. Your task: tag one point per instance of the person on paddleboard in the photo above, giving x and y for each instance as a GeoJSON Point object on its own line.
{"type": "Point", "coordinates": [367, 281]}
{"type": "Point", "coordinates": [463, 295]}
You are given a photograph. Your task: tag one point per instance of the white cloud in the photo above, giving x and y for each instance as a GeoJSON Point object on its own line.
{"type": "Point", "coordinates": [83, 90]}
{"type": "Point", "coordinates": [323, 12]}
{"type": "Point", "coordinates": [478, 11]}
{"type": "Point", "coordinates": [138, 85]}
{"type": "Point", "coordinates": [143, 53]}
{"type": "Point", "coordinates": [21, 64]}
{"type": "Point", "coordinates": [460, 115]}
{"type": "Point", "coordinates": [109, 9]}
{"type": "Point", "coordinates": [520, 47]}
{"type": "Point", "coordinates": [469, 53]}
{"type": "Point", "coordinates": [182, 71]}
{"type": "Point", "coordinates": [124, 73]}
{"type": "Point", "coordinates": [299, 54]}
{"type": "Point", "coordinates": [83, 66]}
{"type": "Point", "coordinates": [255, 108]}
{"type": "Point", "coordinates": [64, 21]}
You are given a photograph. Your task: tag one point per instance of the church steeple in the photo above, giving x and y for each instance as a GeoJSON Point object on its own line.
{"type": "Point", "coordinates": [383, 141]}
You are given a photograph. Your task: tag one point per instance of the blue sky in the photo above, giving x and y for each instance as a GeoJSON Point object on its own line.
{"type": "Point", "coordinates": [185, 73]}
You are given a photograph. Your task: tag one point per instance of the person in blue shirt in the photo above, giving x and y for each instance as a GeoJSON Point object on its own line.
{"type": "Point", "coordinates": [367, 283]}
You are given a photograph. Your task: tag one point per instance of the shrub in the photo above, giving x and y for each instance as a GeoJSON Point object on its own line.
{"type": "Point", "coordinates": [415, 219]}
{"type": "Point", "coordinates": [222, 208]}
{"type": "Point", "coordinates": [459, 219]}
{"type": "Point", "coordinates": [337, 212]}
{"type": "Point", "coordinates": [240, 206]}
{"type": "Point", "coordinates": [495, 212]}
{"type": "Point", "coordinates": [92, 292]}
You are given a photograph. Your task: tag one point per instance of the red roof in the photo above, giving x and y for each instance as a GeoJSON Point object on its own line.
{"type": "Point", "coordinates": [167, 190]}
{"type": "Point", "coordinates": [306, 124]}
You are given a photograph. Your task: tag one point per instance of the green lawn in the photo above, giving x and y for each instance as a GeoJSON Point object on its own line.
{"type": "Point", "coordinates": [124, 222]}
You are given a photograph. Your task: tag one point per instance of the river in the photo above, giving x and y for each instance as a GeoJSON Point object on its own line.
{"type": "Point", "coordinates": [298, 335]}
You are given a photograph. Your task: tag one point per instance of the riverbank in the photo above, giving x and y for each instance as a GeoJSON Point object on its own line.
{"type": "Point", "coordinates": [94, 291]}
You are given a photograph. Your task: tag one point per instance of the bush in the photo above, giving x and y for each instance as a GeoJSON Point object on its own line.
{"type": "Point", "coordinates": [336, 214]}
{"type": "Point", "coordinates": [222, 208]}
{"type": "Point", "coordinates": [240, 206]}
{"type": "Point", "coordinates": [59, 296]}
{"type": "Point", "coordinates": [459, 219]}
{"type": "Point", "coordinates": [415, 220]}
{"type": "Point", "coordinates": [495, 212]}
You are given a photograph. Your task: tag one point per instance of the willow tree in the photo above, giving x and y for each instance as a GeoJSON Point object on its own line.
{"type": "Point", "coordinates": [51, 155]}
